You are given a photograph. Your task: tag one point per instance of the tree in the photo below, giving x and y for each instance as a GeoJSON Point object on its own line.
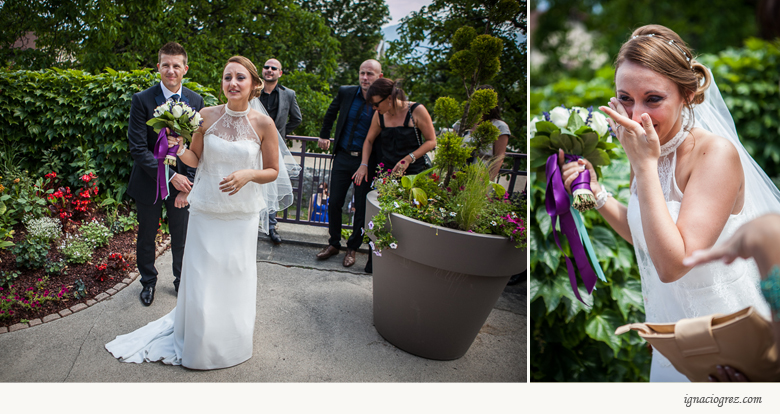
{"type": "Point", "coordinates": [357, 24]}
{"type": "Point", "coordinates": [426, 70]}
{"type": "Point", "coordinates": [125, 35]}
{"type": "Point", "coordinates": [708, 26]}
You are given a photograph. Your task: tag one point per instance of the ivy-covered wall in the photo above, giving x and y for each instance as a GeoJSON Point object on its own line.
{"type": "Point", "coordinates": [575, 342]}
{"type": "Point", "coordinates": [71, 121]}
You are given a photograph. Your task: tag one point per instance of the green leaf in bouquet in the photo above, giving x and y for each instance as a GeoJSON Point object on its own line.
{"type": "Point", "coordinates": [567, 143]}
{"type": "Point", "coordinates": [583, 129]}
{"type": "Point", "coordinates": [539, 158]}
{"type": "Point", "coordinates": [555, 139]}
{"type": "Point", "coordinates": [546, 127]}
{"type": "Point", "coordinates": [598, 157]}
{"type": "Point", "coordinates": [540, 141]}
{"type": "Point", "coordinates": [590, 141]}
{"type": "Point", "coordinates": [186, 135]}
{"type": "Point", "coordinates": [575, 121]}
{"type": "Point", "coordinates": [577, 146]}
{"type": "Point", "coordinates": [157, 124]}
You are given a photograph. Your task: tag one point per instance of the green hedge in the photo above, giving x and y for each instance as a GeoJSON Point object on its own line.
{"type": "Point", "coordinates": [747, 78]}
{"type": "Point", "coordinates": [572, 342]}
{"type": "Point", "coordinates": [72, 121]}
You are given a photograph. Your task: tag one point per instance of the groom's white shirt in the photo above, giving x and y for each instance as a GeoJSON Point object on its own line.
{"type": "Point", "coordinates": [167, 94]}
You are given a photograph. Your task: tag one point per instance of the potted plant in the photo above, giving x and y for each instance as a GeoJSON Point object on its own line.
{"type": "Point", "coordinates": [447, 240]}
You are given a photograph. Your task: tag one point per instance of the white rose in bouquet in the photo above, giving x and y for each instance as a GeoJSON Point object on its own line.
{"type": "Point", "coordinates": [195, 121]}
{"type": "Point", "coordinates": [532, 127]}
{"type": "Point", "coordinates": [559, 116]}
{"type": "Point", "coordinates": [176, 111]}
{"type": "Point", "coordinates": [582, 112]}
{"type": "Point", "coordinates": [600, 125]}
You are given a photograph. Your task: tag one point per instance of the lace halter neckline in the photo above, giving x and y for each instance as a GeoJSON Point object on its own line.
{"type": "Point", "coordinates": [678, 139]}
{"type": "Point", "coordinates": [237, 113]}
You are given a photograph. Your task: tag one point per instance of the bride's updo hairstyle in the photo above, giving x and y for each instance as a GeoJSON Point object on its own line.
{"type": "Point", "coordinates": [252, 74]}
{"type": "Point", "coordinates": [660, 49]}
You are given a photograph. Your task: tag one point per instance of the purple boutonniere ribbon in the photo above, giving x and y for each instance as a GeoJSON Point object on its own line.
{"type": "Point", "coordinates": [161, 151]}
{"type": "Point", "coordinates": [558, 205]}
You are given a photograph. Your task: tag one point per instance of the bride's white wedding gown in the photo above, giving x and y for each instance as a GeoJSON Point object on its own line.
{"type": "Point", "coordinates": [706, 289]}
{"type": "Point", "coordinates": [213, 322]}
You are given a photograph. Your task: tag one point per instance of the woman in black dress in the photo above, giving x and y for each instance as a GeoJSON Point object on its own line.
{"type": "Point", "coordinates": [404, 128]}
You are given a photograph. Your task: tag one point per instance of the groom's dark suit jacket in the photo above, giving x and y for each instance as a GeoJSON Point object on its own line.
{"type": "Point", "coordinates": [141, 137]}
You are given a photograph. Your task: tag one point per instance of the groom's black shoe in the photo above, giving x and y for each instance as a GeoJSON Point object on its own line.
{"type": "Point", "coordinates": [275, 237]}
{"type": "Point", "coordinates": [176, 285]}
{"type": "Point", "coordinates": [147, 295]}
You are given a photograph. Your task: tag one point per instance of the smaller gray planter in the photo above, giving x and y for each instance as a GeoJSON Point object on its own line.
{"type": "Point", "coordinates": [434, 292]}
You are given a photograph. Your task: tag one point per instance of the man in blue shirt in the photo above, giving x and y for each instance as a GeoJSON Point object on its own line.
{"type": "Point", "coordinates": [354, 119]}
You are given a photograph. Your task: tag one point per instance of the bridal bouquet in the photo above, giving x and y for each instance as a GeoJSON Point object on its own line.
{"type": "Point", "coordinates": [580, 133]}
{"type": "Point", "coordinates": [180, 118]}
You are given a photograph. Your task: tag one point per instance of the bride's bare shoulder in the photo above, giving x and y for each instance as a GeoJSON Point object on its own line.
{"type": "Point", "coordinates": [713, 147]}
{"type": "Point", "coordinates": [211, 111]}
{"type": "Point", "coordinates": [260, 120]}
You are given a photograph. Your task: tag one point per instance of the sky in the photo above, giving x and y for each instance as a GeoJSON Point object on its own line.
{"type": "Point", "coordinates": [400, 8]}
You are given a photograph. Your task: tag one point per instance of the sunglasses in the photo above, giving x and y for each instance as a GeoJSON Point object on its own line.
{"type": "Point", "coordinates": [376, 105]}
{"type": "Point", "coordinates": [270, 67]}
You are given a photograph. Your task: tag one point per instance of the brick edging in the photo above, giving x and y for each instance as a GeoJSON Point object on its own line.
{"type": "Point", "coordinates": [131, 277]}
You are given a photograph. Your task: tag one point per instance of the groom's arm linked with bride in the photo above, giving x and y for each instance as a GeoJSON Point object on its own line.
{"type": "Point", "coordinates": [142, 187]}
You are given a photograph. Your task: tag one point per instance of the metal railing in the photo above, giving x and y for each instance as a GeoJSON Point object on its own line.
{"type": "Point", "coordinates": [315, 169]}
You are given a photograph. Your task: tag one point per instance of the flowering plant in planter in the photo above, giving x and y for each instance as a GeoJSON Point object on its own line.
{"type": "Point", "coordinates": [454, 193]}
{"type": "Point", "coordinates": [468, 203]}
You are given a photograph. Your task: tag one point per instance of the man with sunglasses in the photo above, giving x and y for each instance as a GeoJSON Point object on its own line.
{"type": "Point", "coordinates": [354, 119]}
{"type": "Point", "coordinates": [283, 108]}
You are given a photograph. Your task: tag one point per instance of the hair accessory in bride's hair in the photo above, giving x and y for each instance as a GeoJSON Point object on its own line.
{"type": "Point", "coordinates": [671, 42]}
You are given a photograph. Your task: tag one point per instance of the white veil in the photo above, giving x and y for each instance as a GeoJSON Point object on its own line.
{"type": "Point", "coordinates": [278, 194]}
{"type": "Point", "coordinates": [761, 194]}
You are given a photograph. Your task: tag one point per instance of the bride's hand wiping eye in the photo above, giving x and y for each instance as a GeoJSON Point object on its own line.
{"type": "Point", "coordinates": [640, 141]}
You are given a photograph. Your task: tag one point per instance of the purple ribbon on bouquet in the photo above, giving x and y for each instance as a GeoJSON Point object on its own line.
{"type": "Point", "coordinates": [161, 151]}
{"type": "Point", "coordinates": [558, 205]}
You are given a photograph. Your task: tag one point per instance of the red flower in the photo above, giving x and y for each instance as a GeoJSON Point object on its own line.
{"type": "Point", "coordinates": [85, 178]}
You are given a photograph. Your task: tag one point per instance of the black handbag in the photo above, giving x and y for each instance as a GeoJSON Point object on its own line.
{"type": "Point", "coordinates": [426, 158]}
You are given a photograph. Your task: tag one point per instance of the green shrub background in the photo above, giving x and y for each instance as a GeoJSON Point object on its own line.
{"type": "Point", "coordinates": [575, 342]}
{"type": "Point", "coordinates": [72, 121]}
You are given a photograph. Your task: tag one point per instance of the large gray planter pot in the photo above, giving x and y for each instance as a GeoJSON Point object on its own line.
{"type": "Point", "coordinates": [435, 291]}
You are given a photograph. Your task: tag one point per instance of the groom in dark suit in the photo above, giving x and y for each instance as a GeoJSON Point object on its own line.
{"type": "Point", "coordinates": [172, 65]}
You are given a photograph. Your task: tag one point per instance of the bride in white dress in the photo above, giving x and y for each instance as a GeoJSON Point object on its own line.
{"type": "Point", "coordinates": [237, 154]}
{"type": "Point", "coordinates": [692, 183]}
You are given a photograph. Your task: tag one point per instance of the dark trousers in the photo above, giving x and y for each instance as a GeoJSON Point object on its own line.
{"type": "Point", "coordinates": [149, 216]}
{"type": "Point", "coordinates": [344, 166]}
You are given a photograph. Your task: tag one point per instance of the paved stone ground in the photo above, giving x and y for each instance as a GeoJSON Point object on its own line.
{"type": "Point", "coordinates": [314, 325]}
